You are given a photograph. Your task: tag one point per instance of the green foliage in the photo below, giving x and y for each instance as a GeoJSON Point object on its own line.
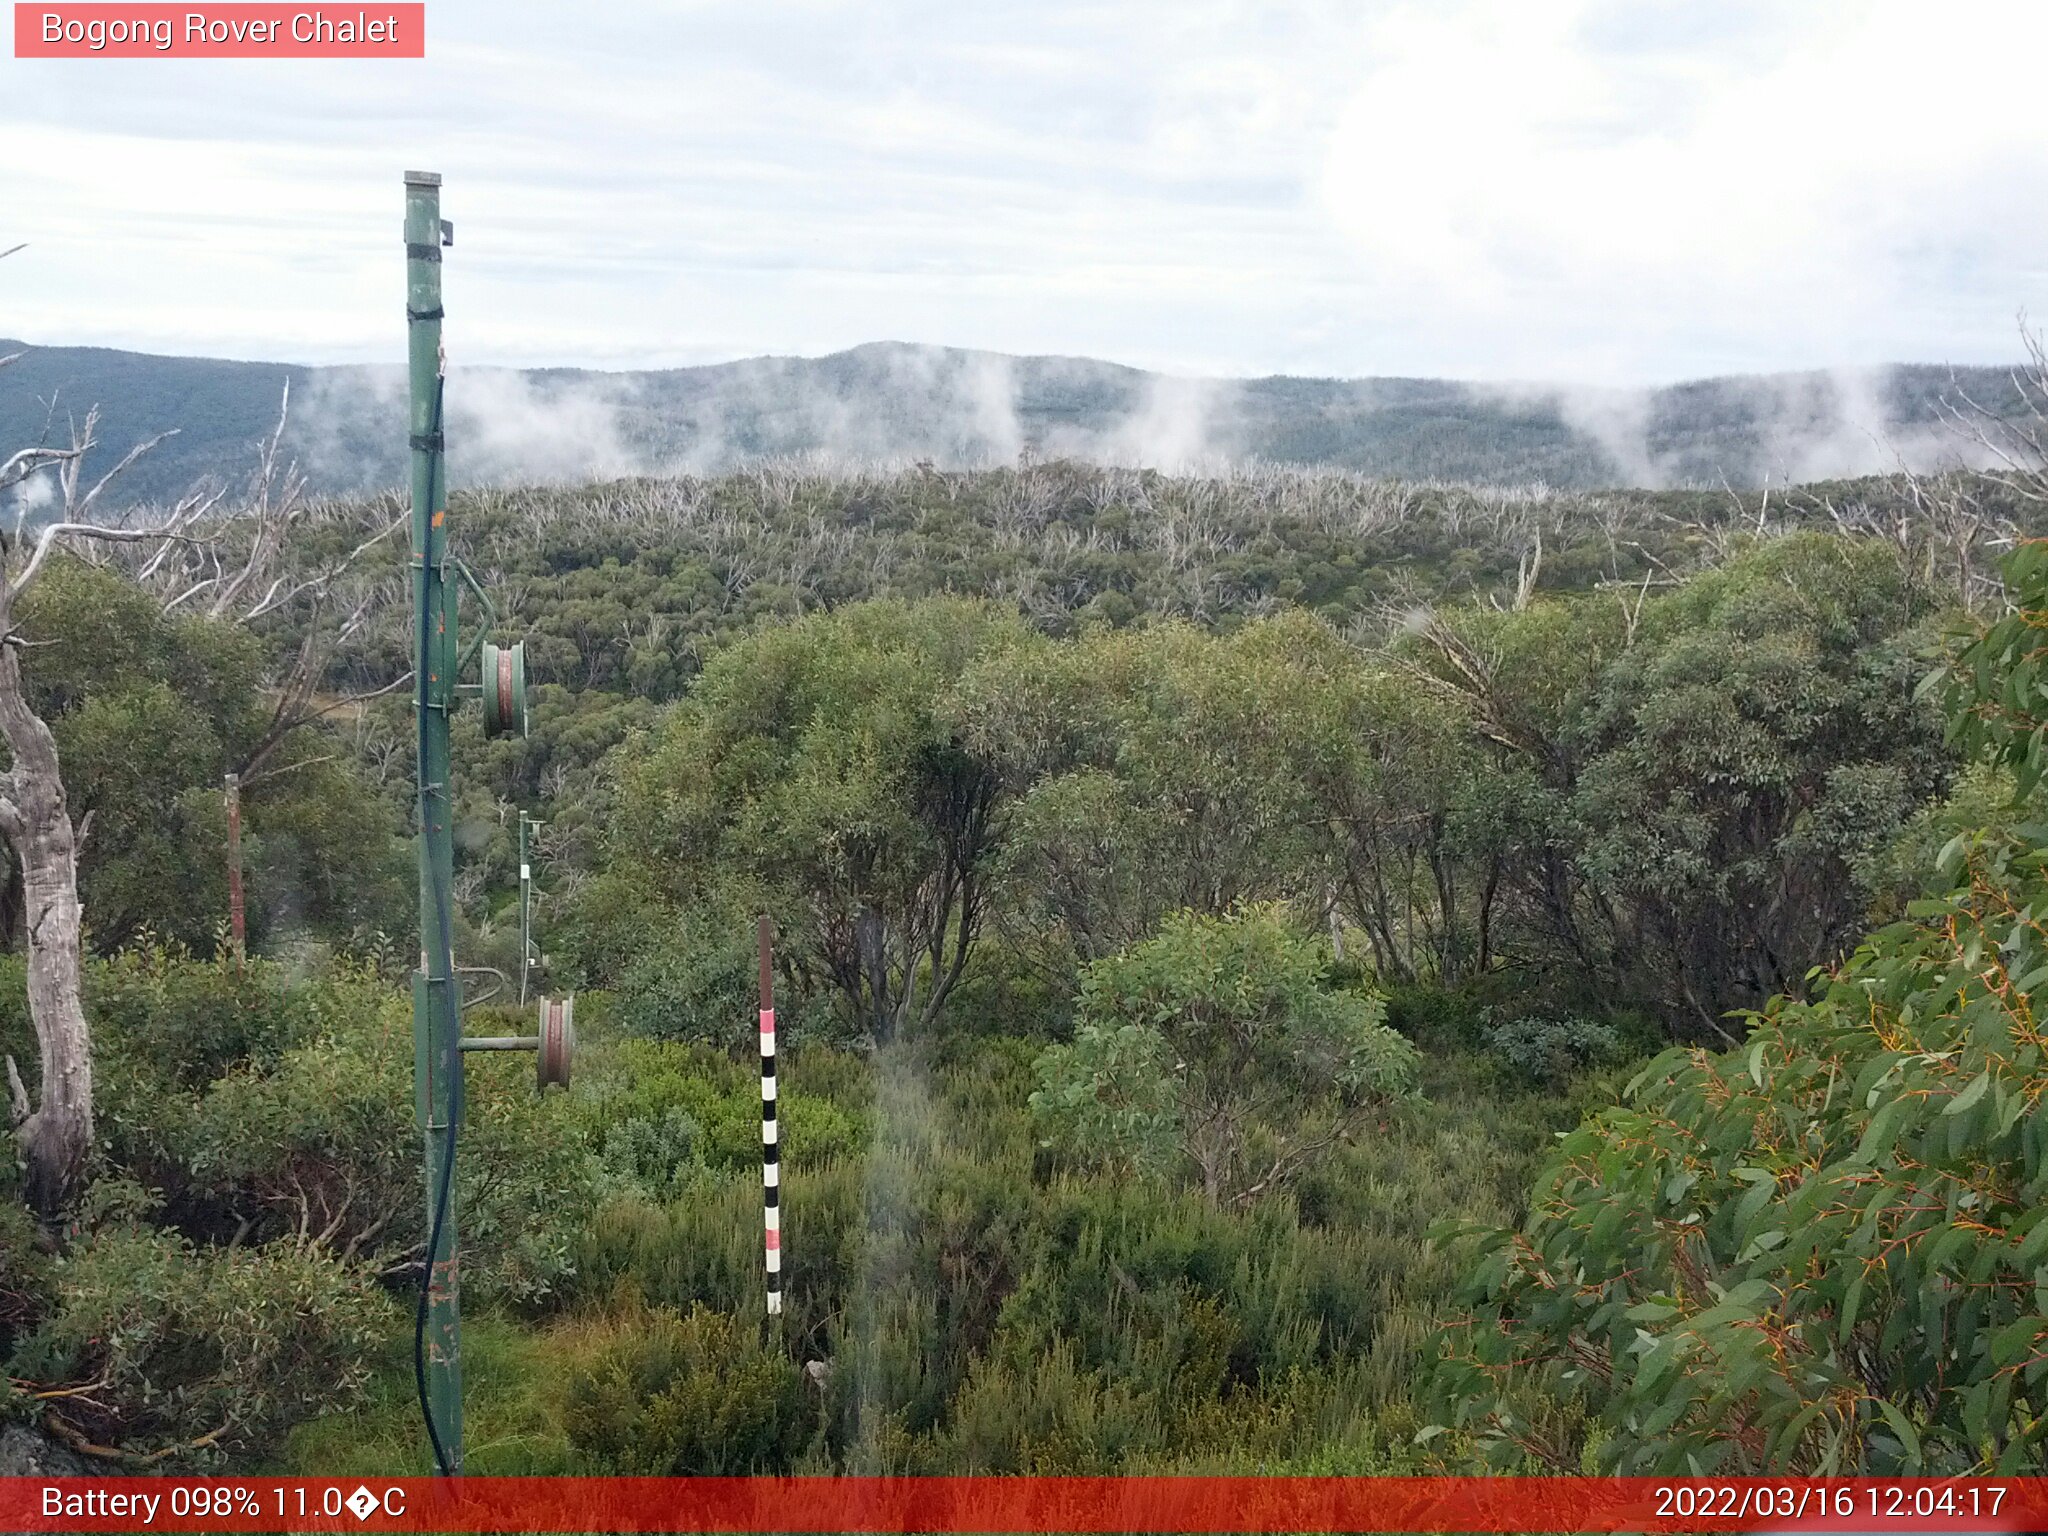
{"type": "Point", "coordinates": [512, 1428]}
{"type": "Point", "coordinates": [1203, 1047]}
{"type": "Point", "coordinates": [815, 771]}
{"type": "Point", "coordinates": [189, 1020]}
{"type": "Point", "coordinates": [1551, 1050]}
{"type": "Point", "coordinates": [27, 1281]}
{"type": "Point", "coordinates": [1675, 805]}
{"type": "Point", "coordinates": [1688, 791]}
{"type": "Point", "coordinates": [692, 1395]}
{"type": "Point", "coordinates": [149, 711]}
{"type": "Point", "coordinates": [1158, 770]}
{"type": "Point", "coordinates": [654, 1157]}
{"type": "Point", "coordinates": [1821, 1251]}
{"type": "Point", "coordinates": [618, 916]}
{"type": "Point", "coordinates": [1109, 1097]}
{"type": "Point", "coordinates": [697, 981]}
{"type": "Point", "coordinates": [1910, 865]}
{"type": "Point", "coordinates": [1756, 744]}
{"type": "Point", "coordinates": [1570, 813]}
{"type": "Point", "coordinates": [1996, 696]}
{"type": "Point", "coordinates": [268, 1107]}
{"type": "Point", "coordinates": [976, 1316]}
{"type": "Point", "coordinates": [706, 1107]}
{"type": "Point", "coordinates": [197, 1352]}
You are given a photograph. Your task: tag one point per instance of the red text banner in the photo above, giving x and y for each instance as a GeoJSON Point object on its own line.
{"type": "Point", "coordinates": [233, 31]}
{"type": "Point", "coordinates": [1020, 1504]}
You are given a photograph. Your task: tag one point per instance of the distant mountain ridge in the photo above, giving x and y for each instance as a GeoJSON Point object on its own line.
{"type": "Point", "coordinates": [890, 403]}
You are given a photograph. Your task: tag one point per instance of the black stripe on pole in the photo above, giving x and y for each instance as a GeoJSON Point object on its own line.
{"type": "Point", "coordinates": [771, 1150]}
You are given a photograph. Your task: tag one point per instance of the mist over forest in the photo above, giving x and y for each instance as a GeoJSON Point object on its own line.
{"type": "Point", "coordinates": [892, 405]}
{"type": "Point", "coordinates": [1445, 879]}
{"type": "Point", "coordinates": [1300, 908]}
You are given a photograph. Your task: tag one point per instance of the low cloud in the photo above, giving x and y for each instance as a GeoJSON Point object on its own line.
{"type": "Point", "coordinates": [880, 406]}
{"type": "Point", "coordinates": [888, 406]}
{"type": "Point", "coordinates": [1180, 426]}
{"type": "Point", "coordinates": [504, 427]}
{"type": "Point", "coordinates": [1785, 428]}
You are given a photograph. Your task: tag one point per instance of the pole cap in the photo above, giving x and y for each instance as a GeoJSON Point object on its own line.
{"type": "Point", "coordinates": [423, 178]}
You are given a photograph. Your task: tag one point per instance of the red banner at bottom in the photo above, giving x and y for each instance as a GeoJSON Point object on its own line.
{"type": "Point", "coordinates": [1018, 1504]}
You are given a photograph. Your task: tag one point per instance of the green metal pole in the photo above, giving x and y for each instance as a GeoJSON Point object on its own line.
{"type": "Point", "coordinates": [436, 1013]}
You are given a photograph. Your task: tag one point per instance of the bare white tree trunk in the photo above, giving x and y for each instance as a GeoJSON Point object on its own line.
{"type": "Point", "coordinates": [55, 1131]}
{"type": "Point", "coordinates": [56, 1135]}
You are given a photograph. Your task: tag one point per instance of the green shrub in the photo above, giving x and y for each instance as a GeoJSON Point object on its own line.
{"type": "Point", "coordinates": [613, 921]}
{"type": "Point", "coordinates": [309, 1134]}
{"type": "Point", "coordinates": [1436, 1018]}
{"type": "Point", "coordinates": [707, 1247]}
{"type": "Point", "coordinates": [695, 979]}
{"type": "Point", "coordinates": [187, 1020]}
{"type": "Point", "coordinates": [1049, 1418]}
{"type": "Point", "coordinates": [1822, 1251]}
{"type": "Point", "coordinates": [657, 1158]}
{"type": "Point", "coordinates": [208, 1351]}
{"type": "Point", "coordinates": [518, 1379]}
{"type": "Point", "coordinates": [1217, 1047]}
{"type": "Point", "coordinates": [1550, 1051]}
{"type": "Point", "coordinates": [998, 996]}
{"type": "Point", "coordinates": [651, 1081]}
{"type": "Point", "coordinates": [26, 1279]}
{"type": "Point", "coordinates": [689, 1395]}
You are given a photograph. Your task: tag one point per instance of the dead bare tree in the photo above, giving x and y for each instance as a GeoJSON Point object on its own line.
{"type": "Point", "coordinates": [179, 554]}
{"type": "Point", "coordinates": [1968, 531]}
{"type": "Point", "coordinates": [1528, 567]}
{"type": "Point", "coordinates": [2014, 442]}
{"type": "Point", "coordinates": [248, 572]}
{"type": "Point", "coordinates": [55, 1135]}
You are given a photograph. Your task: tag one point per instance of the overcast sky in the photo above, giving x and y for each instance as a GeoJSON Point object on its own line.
{"type": "Point", "coordinates": [1509, 189]}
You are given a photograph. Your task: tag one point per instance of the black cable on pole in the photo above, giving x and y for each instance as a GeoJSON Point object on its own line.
{"type": "Point", "coordinates": [444, 956]}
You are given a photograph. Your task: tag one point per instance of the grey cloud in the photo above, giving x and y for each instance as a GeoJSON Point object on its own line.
{"type": "Point", "coordinates": [647, 183]}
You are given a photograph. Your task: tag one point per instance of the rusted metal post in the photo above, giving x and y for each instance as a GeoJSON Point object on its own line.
{"type": "Point", "coordinates": [238, 926]}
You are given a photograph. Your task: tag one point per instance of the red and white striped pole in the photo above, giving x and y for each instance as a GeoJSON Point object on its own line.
{"type": "Point", "coordinates": [771, 1150]}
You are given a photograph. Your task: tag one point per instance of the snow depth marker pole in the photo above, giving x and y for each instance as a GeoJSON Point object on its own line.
{"type": "Point", "coordinates": [771, 1150]}
{"type": "Point", "coordinates": [526, 953]}
{"type": "Point", "coordinates": [238, 925]}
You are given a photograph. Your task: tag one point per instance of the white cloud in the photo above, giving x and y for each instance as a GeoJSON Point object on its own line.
{"type": "Point", "coordinates": [1604, 200]}
{"type": "Point", "coordinates": [1604, 191]}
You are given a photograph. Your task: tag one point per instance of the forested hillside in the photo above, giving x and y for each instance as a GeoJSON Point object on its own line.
{"type": "Point", "coordinates": [1189, 892]}
{"type": "Point", "coordinates": [891, 405]}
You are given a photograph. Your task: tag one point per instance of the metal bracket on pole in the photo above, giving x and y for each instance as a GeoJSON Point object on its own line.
{"type": "Point", "coordinates": [553, 1047]}
{"type": "Point", "coordinates": [490, 620]}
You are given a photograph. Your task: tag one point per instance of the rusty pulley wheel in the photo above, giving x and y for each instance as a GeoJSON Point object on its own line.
{"type": "Point", "coordinates": [504, 689]}
{"type": "Point", "coordinates": [557, 1040]}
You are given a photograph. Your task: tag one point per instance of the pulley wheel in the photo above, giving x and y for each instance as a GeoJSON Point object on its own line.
{"type": "Point", "coordinates": [557, 1039]}
{"type": "Point", "coordinates": [504, 689]}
